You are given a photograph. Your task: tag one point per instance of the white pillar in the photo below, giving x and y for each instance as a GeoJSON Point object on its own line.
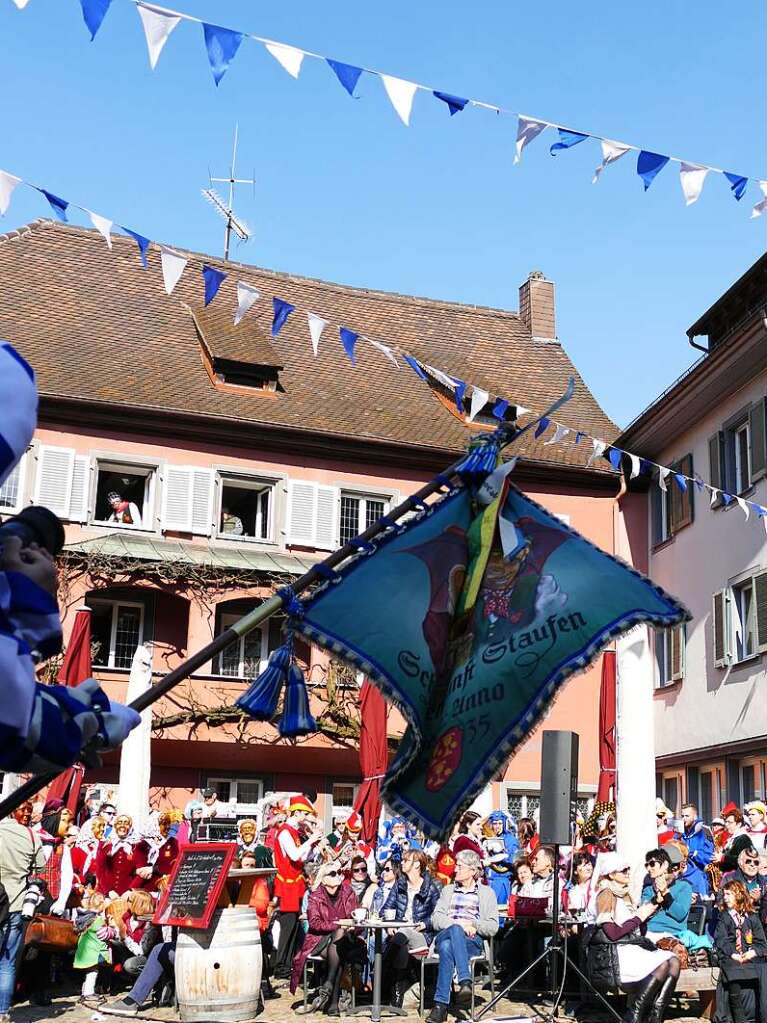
{"type": "Point", "coordinates": [135, 752]}
{"type": "Point", "coordinates": [11, 782]}
{"type": "Point", "coordinates": [635, 733]}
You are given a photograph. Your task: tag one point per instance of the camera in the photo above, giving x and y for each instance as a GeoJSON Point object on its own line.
{"type": "Point", "coordinates": [32, 898]}
{"type": "Point", "coordinates": [35, 525]}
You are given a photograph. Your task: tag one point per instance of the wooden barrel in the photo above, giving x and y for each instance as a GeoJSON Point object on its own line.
{"type": "Point", "coordinates": [218, 970]}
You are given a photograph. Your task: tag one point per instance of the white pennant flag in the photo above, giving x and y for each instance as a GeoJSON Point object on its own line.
{"type": "Point", "coordinates": [714, 495]}
{"type": "Point", "coordinates": [691, 178]}
{"type": "Point", "coordinates": [103, 226]}
{"type": "Point", "coordinates": [479, 399]}
{"type": "Point", "coordinates": [527, 130]}
{"type": "Point", "coordinates": [173, 264]}
{"type": "Point", "coordinates": [246, 297]}
{"type": "Point", "coordinates": [760, 207]}
{"type": "Point", "coordinates": [7, 184]}
{"type": "Point", "coordinates": [635, 465]}
{"type": "Point", "coordinates": [316, 327]}
{"type": "Point", "coordinates": [521, 410]}
{"type": "Point", "coordinates": [21, 4]}
{"type": "Point", "coordinates": [663, 473]}
{"type": "Point", "coordinates": [158, 25]}
{"type": "Point", "coordinates": [599, 449]}
{"type": "Point", "coordinates": [743, 506]}
{"type": "Point", "coordinates": [385, 349]}
{"type": "Point", "coordinates": [559, 434]}
{"type": "Point", "coordinates": [401, 94]}
{"type": "Point", "coordinates": [611, 151]}
{"type": "Point", "coordinates": [290, 57]}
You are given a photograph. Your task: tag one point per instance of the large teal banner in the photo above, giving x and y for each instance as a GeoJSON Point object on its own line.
{"type": "Point", "coordinates": [471, 619]}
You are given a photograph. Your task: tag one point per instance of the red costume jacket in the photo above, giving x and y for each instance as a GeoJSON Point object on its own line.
{"type": "Point", "coordinates": [116, 871]}
{"type": "Point", "coordinates": [163, 865]}
{"type": "Point", "coordinates": [289, 883]}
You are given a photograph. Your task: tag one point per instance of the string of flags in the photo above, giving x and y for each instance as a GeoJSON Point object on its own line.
{"type": "Point", "coordinates": [173, 264]}
{"type": "Point", "coordinates": [222, 45]}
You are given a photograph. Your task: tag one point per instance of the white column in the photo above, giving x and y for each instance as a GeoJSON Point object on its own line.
{"type": "Point", "coordinates": [636, 751]}
{"type": "Point", "coordinates": [11, 782]}
{"type": "Point", "coordinates": [135, 752]}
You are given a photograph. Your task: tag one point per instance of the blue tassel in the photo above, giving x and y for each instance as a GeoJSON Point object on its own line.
{"type": "Point", "coordinates": [260, 701]}
{"type": "Point", "coordinates": [296, 716]}
{"type": "Point", "coordinates": [480, 461]}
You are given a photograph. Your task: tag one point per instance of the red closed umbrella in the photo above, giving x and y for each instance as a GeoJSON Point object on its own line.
{"type": "Point", "coordinates": [373, 759]}
{"type": "Point", "coordinates": [607, 718]}
{"type": "Point", "coordinates": [75, 668]}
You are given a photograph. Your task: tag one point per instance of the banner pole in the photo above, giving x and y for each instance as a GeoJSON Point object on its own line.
{"type": "Point", "coordinates": [505, 434]}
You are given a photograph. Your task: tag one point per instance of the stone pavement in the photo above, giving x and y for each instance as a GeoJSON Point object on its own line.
{"type": "Point", "coordinates": [66, 1009]}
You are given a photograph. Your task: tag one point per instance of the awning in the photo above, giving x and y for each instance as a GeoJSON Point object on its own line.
{"type": "Point", "coordinates": [229, 556]}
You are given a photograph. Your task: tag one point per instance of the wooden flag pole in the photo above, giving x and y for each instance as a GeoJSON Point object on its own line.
{"type": "Point", "coordinates": [505, 433]}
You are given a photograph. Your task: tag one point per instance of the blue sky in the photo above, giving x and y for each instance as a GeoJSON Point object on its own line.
{"type": "Point", "coordinates": [347, 193]}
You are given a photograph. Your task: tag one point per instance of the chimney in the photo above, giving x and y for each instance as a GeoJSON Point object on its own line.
{"type": "Point", "coordinates": [536, 306]}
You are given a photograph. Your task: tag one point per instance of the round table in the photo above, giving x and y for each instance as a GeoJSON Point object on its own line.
{"type": "Point", "coordinates": [378, 927]}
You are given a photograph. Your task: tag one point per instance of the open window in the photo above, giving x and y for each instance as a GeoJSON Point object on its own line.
{"type": "Point", "coordinates": [670, 655]}
{"type": "Point", "coordinates": [239, 795]}
{"type": "Point", "coordinates": [117, 628]}
{"type": "Point", "coordinates": [125, 495]}
{"type": "Point", "coordinates": [246, 508]}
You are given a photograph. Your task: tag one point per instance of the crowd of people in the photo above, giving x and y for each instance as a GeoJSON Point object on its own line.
{"type": "Point", "coordinates": [492, 879]}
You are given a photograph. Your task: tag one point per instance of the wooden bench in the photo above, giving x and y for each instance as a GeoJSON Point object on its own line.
{"type": "Point", "coordinates": [703, 982]}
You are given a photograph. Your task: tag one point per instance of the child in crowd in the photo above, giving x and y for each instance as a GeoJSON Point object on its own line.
{"type": "Point", "coordinates": [92, 952]}
{"type": "Point", "coordinates": [742, 948]}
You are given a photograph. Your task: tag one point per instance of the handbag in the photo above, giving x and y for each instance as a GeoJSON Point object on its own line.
{"type": "Point", "coordinates": [51, 934]}
{"type": "Point", "coordinates": [527, 907]}
{"type": "Point", "coordinates": [677, 948]}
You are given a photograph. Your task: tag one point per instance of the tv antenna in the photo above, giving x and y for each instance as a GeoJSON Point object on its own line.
{"type": "Point", "coordinates": [226, 209]}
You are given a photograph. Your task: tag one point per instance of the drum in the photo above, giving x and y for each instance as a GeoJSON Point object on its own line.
{"type": "Point", "coordinates": [218, 970]}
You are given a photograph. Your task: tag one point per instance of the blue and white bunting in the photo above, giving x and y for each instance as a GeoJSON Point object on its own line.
{"type": "Point", "coordinates": [455, 104]}
{"type": "Point", "coordinates": [611, 151]}
{"type": "Point", "coordinates": [649, 165]}
{"type": "Point", "coordinates": [347, 74]}
{"type": "Point", "coordinates": [761, 206]}
{"type": "Point", "coordinates": [567, 139]}
{"type": "Point", "coordinates": [102, 225]}
{"type": "Point", "coordinates": [142, 242]}
{"type": "Point", "coordinates": [173, 265]}
{"type": "Point", "coordinates": [692, 177]}
{"type": "Point", "coordinates": [282, 311]}
{"type": "Point", "coordinates": [737, 184]}
{"type": "Point", "coordinates": [213, 279]}
{"type": "Point", "coordinates": [528, 128]}
{"type": "Point", "coordinates": [94, 12]}
{"type": "Point", "coordinates": [401, 93]}
{"type": "Point", "coordinates": [316, 327]}
{"type": "Point", "coordinates": [222, 45]}
{"type": "Point", "coordinates": [349, 340]}
{"type": "Point", "coordinates": [288, 57]}
{"type": "Point", "coordinates": [158, 25]}
{"type": "Point", "coordinates": [384, 349]}
{"type": "Point", "coordinates": [247, 296]}
{"type": "Point", "coordinates": [7, 184]}
{"type": "Point", "coordinates": [58, 205]}
{"type": "Point", "coordinates": [479, 398]}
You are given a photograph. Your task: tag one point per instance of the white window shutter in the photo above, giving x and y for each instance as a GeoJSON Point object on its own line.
{"type": "Point", "coordinates": [53, 486]}
{"type": "Point", "coordinates": [202, 500]}
{"type": "Point", "coordinates": [326, 519]}
{"type": "Point", "coordinates": [177, 499]}
{"type": "Point", "coordinates": [301, 505]}
{"type": "Point", "coordinates": [760, 603]}
{"type": "Point", "coordinates": [678, 641]}
{"type": "Point", "coordinates": [81, 478]}
{"type": "Point", "coordinates": [721, 615]}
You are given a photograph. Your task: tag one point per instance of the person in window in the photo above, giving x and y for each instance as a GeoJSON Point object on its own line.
{"type": "Point", "coordinates": [126, 513]}
{"type": "Point", "coordinates": [467, 912]}
{"type": "Point", "coordinates": [210, 804]}
{"type": "Point", "coordinates": [231, 524]}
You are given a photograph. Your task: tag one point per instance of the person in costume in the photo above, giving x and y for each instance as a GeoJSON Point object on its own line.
{"type": "Point", "coordinates": [470, 834]}
{"type": "Point", "coordinates": [663, 822]}
{"type": "Point", "coordinates": [121, 863]}
{"type": "Point", "coordinates": [247, 836]}
{"type": "Point", "coordinates": [500, 847]}
{"type": "Point", "coordinates": [125, 513]}
{"type": "Point", "coordinates": [700, 848]}
{"type": "Point", "coordinates": [756, 813]}
{"type": "Point", "coordinates": [397, 839]}
{"type": "Point", "coordinates": [162, 853]}
{"type": "Point", "coordinates": [737, 838]}
{"type": "Point", "coordinates": [295, 840]}
{"type": "Point", "coordinates": [93, 952]}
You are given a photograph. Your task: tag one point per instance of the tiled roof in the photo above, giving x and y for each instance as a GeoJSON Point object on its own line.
{"type": "Point", "coordinates": [97, 326]}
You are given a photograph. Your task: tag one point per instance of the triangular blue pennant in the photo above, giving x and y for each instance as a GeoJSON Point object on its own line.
{"type": "Point", "coordinates": [542, 427]}
{"type": "Point", "coordinates": [500, 408]}
{"type": "Point", "coordinates": [222, 44]}
{"type": "Point", "coordinates": [579, 436]}
{"type": "Point", "coordinates": [213, 280]}
{"type": "Point", "coordinates": [348, 340]}
{"type": "Point", "coordinates": [727, 498]}
{"type": "Point", "coordinates": [567, 139]}
{"type": "Point", "coordinates": [347, 74]}
{"type": "Point", "coordinates": [142, 242]}
{"type": "Point", "coordinates": [681, 482]}
{"type": "Point", "coordinates": [460, 391]}
{"type": "Point", "coordinates": [649, 165]}
{"type": "Point", "coordinates": [59, 206]}
{"type": "Point", "coordinates": [737, 184]}
{"type": "Point", "coordinates": [761, 511]}
{"type": "Point", "coordinates": [282, 311]}
{"type": "Point", "coordinates": [94, 12]}
{"type": "Point", "coordinates": [455, 104]}
{"type": "Point", "coordinates": [699, 484]}
{"type": "Point", "coordinates": [415, 367]}
{"type": "Point", "coordinates": [615, 455]}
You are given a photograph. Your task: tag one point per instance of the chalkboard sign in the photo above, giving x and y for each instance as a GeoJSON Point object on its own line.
{"type": "Point", "coordinates": [195, 883]}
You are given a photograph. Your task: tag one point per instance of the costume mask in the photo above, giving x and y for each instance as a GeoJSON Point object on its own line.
{"type": "Point", "coordinates": [23, 814]}
{"type": "Point", "coordinates": [247, 831]}
{"type": "Point", "coordinates": [122, 825]}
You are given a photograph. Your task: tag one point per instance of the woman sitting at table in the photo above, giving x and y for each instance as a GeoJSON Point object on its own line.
{"type": "Point", "coordinates": [652, 972]}
{"type": "Point", "coordinates": [413, 899]}
{"type": "Point", "coordinates": [466, 913]}
{"type": "Point", "coordinates": [330, 901]}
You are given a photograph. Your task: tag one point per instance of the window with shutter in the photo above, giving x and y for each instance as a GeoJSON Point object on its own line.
{"type": "Point", "coordinates": [81, 479]}
{"type": "Point", "coordinates": [716, 462]}
{"type": "Point", "coordinates": [758, 432]}
{"type": "Point", "coordinates": [760, 599]}
{"type": "Point", "coordinates": [301, 499]}
{"type": "Point", "coordinates": [681, 500]}
{"type": "Point", "coordinates": [53, 487]}
{"type": "Point", "coordinates": [202, 498]}
{"type": "Point", "coordinates": [12, 491]}
{"type": "Point", "coordinates": [326, 518]}
{"type": "Point", "coordinates": [677, 641]}
{"type": "Point", "coordinates": [177, 499]}
{"type": "Point", "coordinates": [721, 629]}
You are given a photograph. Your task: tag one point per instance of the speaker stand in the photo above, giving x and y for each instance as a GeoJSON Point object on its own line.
{"type": "Point", "coordinates": [556, 948]}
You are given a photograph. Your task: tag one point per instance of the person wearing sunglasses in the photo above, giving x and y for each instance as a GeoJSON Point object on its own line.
{"type": "Point", "coordinates": [747, 872]}
{"type": "Point", "coordinates": [359, 877]}
{"type": "Point", "coordinates": [331, 900]}
{"type": "Point", "coordinates": [671, 893]}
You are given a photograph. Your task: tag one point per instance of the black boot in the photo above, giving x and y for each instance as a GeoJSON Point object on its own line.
{"type": "Point", "coordinates": [399, 988]}
{"type": "Point", "coordinates": [665, 995]}
{"type": "Point", "coordinates": [438, 1013]}
{"type": "Point", "coordinates": [644, 1001]}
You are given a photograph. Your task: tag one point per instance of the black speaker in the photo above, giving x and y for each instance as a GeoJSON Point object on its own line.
{"type": "Point", "coordinates": [559, 786]}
